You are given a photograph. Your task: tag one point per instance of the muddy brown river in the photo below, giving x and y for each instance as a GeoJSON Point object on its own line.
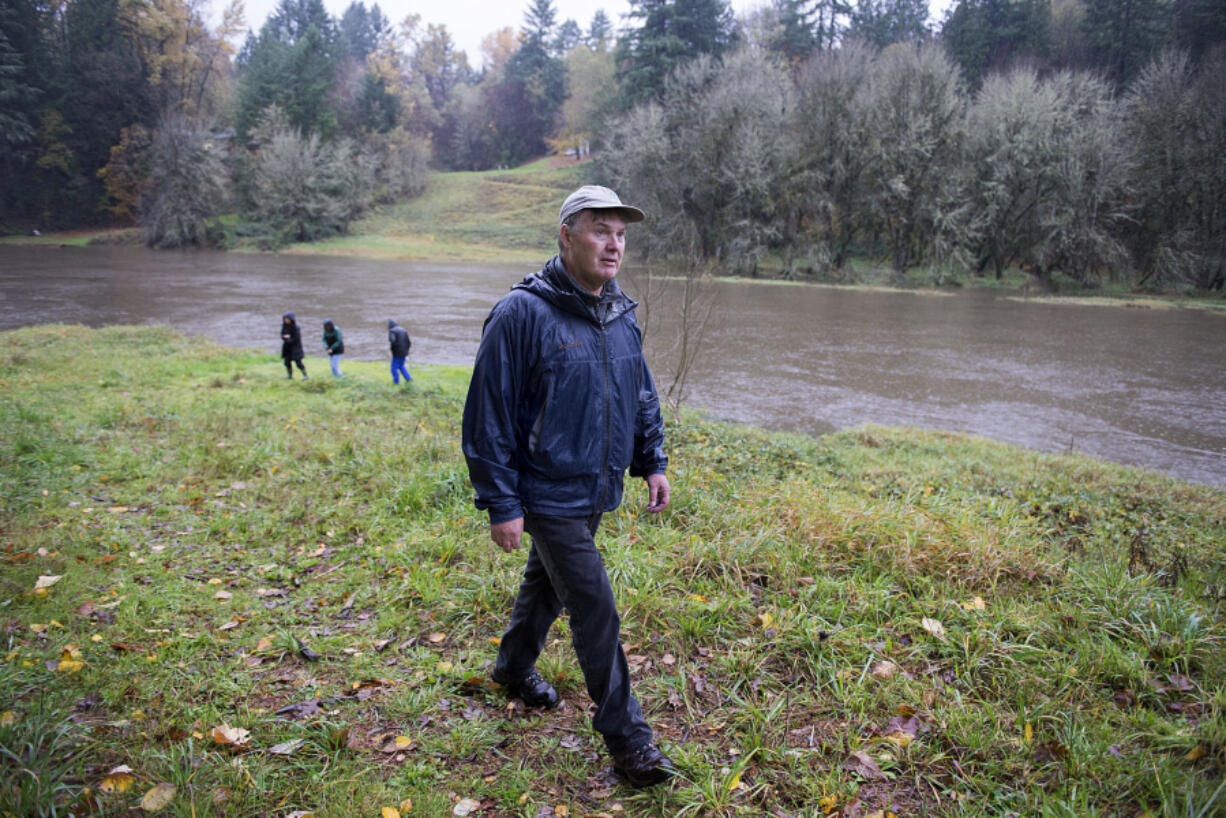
{"type": "Point", "coordinates": [1138, 386]}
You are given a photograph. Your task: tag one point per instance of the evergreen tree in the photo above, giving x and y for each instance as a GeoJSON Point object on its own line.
{"type": "Point", "coordinates": [1126, 34]}
{"type": "Point", "coordinates": [1200, 25]}
{"type": "Point", "coordinates": [359, 30]}
{"type": "Point", "coordinates": [292, 63]}
{"type": "Point", "coordinates": [882, 22]}
{"type": "Point", "coordinates": [669, 33]}
{"type": "Point", "coordinates": [793, 33]}
{"type": "Point", "coordinates": [988, 35]}
{"type": "Point", "coordinates": [568, 36]}
{"type": "Point", "coordinates": [600, 31]}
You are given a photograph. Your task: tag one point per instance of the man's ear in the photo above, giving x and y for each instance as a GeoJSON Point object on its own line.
{"type": "Point", "coordinates": [564, 236]}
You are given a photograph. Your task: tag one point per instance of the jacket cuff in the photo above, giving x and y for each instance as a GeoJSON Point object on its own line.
{"type": "Point", "coordinates": [501, 515]}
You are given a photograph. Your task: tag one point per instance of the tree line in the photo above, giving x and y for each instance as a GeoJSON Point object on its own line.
{"type": "Point", "coordinates": [1076, 136]}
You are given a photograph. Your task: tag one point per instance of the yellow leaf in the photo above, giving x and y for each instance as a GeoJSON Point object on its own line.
{"type": "Point", "coordinates": [158, 798]}
{"type": "Point", "coordinates": [561, 811]}
{"type": "Point", "coordinates": [38, 627]}
{"type": "Point", "coordinates": [118, 779]}
{"type": "Point", "coordinates": [117, 509]}
{"type": "Point", "coordinates": [1195, 754]}
{"type": "Point", "coordinates": [403, 742]}
{"type": "Point", "coordinates": [69, 663]}
{"type": "Point", "coordinates": [766, 619]}
{"type": "Point", "coordinates": [734, 782]}
{"type": "Point", "coordinates": [696, 598]}
{"type": "Point", "coordinates": [54, 624]}
{"type": "Point", "coordinates": [47, 581]}
{"type": "Point", "coordinates": [1028, 733]}
{"type": "Point", "coordinates": [828, 803]}
{"type": "Point", "coordinates": [214, 581]}
{"type": "Point", "coordinates": [406, 805]}
{"type": "Point", "coordinates": [223, 595]}
{"type": "Point", "coordinates": [264, 644]}
{"type": "Point", "coordinates": [444, 667]}
{"type": "Point", "coordinates": [523, 799]}
{"type": "Point", "coordinates": [899, 739]}
{"type": "Point", "coordinates": [7, 718]}
{"type": "Point", "coordinates": [97, 637]}
{"type": "Point", "coordinates": [436, 637]}
{"type": "Point", "coordinates": [390, 812]}
{"type": "Point", "coordinates": [933, 626]}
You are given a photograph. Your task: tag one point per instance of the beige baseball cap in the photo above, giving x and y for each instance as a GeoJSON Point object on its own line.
{"type": "Point", "coordinates": [595, 197]}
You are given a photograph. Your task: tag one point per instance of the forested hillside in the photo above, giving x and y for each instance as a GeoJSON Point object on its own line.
{"type": "Point", "coordinates": [1077, 138]}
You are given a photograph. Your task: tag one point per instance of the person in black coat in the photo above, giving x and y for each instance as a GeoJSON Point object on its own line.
{"type": "Point", "coordinates": [334, 342]}
{"type": "Point", "coordinates": [398, 340]}
{"type": "Point", "coordinates": [291, 345]}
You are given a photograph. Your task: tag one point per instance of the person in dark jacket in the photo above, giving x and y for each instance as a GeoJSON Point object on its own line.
{"type": "Point", "coordinates": [291, 345]}
{"type": "Point", "coordinates": [398, 340]}
{"type": "Point", "coordinates": [335, 344]}
{"type": "Point", "coordinates": [560, 405]}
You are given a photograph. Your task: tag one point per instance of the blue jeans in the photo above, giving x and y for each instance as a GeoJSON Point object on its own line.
{"type": "Point", "coordinates": [565, 570]}
{"type": "Point", "coordinates": [398, 368]}
{"type": "Point", "coordinates": [335, 360]}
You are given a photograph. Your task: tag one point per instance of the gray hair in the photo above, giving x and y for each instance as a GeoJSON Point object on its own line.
{"type": "Point", "coordinates": [569, 223]}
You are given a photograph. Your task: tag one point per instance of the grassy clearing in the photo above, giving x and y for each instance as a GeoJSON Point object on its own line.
{"type": "Point", "coordinates": [503, 215]}
{"type": "Point", "coordinates": [876, 620]}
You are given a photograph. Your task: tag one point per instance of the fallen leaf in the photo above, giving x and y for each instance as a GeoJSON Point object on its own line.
{"type": "Point", "coordinates": [46, 581]}
{"type": "Point", "coordinates": [696, 598]}
{"type": "Point", "coordinates": [862, 764]}
{"type": "Point", "coordinates": [1195, 754]}
{"type": "Point", "coordinates": [8, 718]}
{"type": "Point", "coordinates": [465, 806]}
{"type": "Point", "coordinates": [300, 814]}
{"type": "Point", "coordinates": [158, 798]}
{"type": "Point", "coordinates": [230, 736]}
{"type": "Point", "coordinates": [1028, 733]}
{"type": "Point", "coordinates": [264, 644]}
{"type": "Point", "coordinates": [561, 811]}
{"type": "Point", "coordinates": [223, 595]}
{"type": "Point", "coordinates": [117, 509]}
{"type": "Point", "coordinates": [766, 619]}
{"type": "Point", "coordinates": [976, 604]}
{"type": "Point", "coordinates": [70, 661]}
{"type": "Point", "coordinates": [828, 803]}
{"type": "Point", "coordinates": [933, 627]}
{"type": "Point", "coordinates": [406, 805]}
{"type": "Point", "coordinates": [436, 638]}
{"type": "Point", "coordinates": [390, 812]}
{"type": "Point", "coordinates": [286, 748]}
{"type": "Point", "coordinates": [397, 744]}
{"type": "Point", "coordinates": [884, 669]}
{"type": "Point", "coordinates": [118, 779]}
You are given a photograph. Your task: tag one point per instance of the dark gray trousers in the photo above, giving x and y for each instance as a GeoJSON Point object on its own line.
{"type": "Point", "coordinates": [565, 570]}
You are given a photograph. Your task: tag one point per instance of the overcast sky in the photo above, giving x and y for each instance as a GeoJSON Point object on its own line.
{"type": "Point", "coordinates": [470, 20]}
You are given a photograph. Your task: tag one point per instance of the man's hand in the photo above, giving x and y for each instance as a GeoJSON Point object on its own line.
{"type": "Point", "coordinates": [657, 493]}
{"type": "Point", "coordinates": [507, 535]}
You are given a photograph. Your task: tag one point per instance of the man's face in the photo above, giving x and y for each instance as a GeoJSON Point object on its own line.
{"type": "Point", "coordinates": [592, 250]}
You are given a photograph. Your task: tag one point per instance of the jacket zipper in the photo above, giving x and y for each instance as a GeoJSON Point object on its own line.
{"type": "Point", "coordinates": [608, 410]}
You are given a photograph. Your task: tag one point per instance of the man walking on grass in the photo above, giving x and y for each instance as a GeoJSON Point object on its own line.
{"type": "Point", "coordinates": [560, 405]}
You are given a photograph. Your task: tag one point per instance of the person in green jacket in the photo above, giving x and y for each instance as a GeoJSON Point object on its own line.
{"type": "Point", "coordinates": [335, 346]}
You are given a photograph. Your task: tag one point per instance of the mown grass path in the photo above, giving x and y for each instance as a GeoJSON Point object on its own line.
{"type": "Point", "coordinates": [226, 593]}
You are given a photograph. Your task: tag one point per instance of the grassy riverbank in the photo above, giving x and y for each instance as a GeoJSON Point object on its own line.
{"type": "Point", "coordinates": [275, 596]}
{"type": "Point", "coordinates": [507, 216]}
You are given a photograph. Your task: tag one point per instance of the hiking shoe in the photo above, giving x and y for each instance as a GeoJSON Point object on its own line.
{"type": "Point", "coordinates": [535, 691]}
{"type": "Point", "coordinates": [644, 766]}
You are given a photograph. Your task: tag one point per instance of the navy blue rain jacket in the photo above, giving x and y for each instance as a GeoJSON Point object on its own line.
{"type": "Point", "coordinates": [561, 402]}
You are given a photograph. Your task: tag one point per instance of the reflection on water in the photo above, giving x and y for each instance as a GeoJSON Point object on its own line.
{"type": "Point", "coordinates": [1137, 386]}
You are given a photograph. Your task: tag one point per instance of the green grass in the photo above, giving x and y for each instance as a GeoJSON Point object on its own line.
{"type": "Point", "coordinates": [502, 215]}
{"type": "Point", "coordinates": [209, 519]}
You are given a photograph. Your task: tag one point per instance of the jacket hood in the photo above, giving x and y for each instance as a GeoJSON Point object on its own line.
{"type": "Point", "coordinates": [391, 323]}
{"type": "Point", "coordinates": [329, 326]}
{"type": "Point", "coordinates": [555, 285]}
{"type": "Point", "coordinates": [290, 316]}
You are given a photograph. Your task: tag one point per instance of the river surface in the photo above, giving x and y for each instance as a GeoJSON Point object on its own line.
{"type": "Point", "coordinates": [1139, 386]}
